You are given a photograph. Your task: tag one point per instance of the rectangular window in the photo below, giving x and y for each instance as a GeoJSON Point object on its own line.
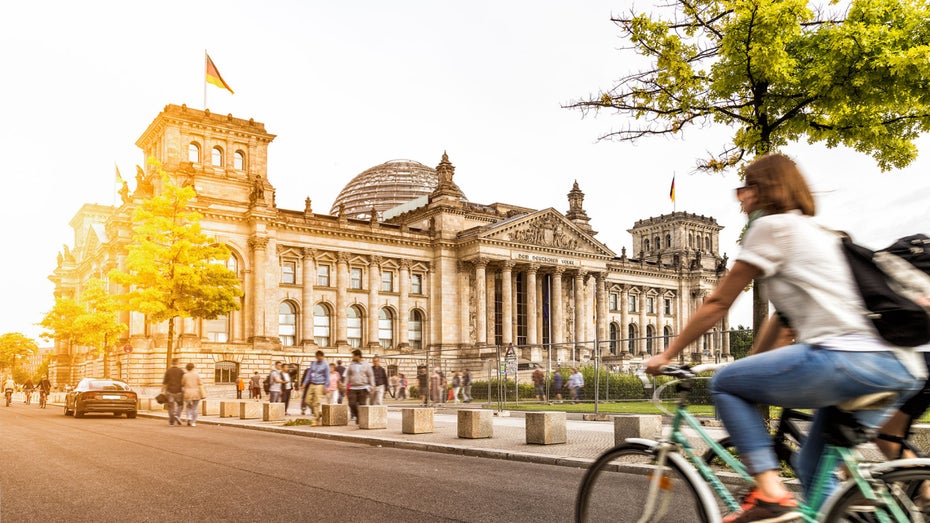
{"type": "Point", "coordinates": [416, 284]}
{"type": "Point", "coordinates": [322, 275]}
{"type": "Point", "coordinates": [289, 272]}
{"type": "Point", "coordinates": [385, 332]}
{"type": "Point", "coordinates": [355, 278]}
{"type": "Point", "coordinates": [633, 300]}
{"type": "Point", "coordinates": [668, 305]}
{"type": "Point", "coordinates": [387, 281]}
{"type": "Point", "coordinates": [216, 330]}
{"type": "Point", "coordinates": [612, 301]}
{"type": "Point", "coordinates": [651, 305]}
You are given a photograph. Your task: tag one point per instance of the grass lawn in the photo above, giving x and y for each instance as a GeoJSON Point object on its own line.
{"type": "Point", "coordinates": [625, 407]}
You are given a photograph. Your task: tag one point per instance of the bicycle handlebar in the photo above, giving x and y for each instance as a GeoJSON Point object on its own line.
{"type": "Point", "coordinates": [685, 372]}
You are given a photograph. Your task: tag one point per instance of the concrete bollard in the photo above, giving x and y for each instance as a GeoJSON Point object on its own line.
{"type": "Point", "coordinates": [475, 423]}
{"type": "Point", "coordinates": [372, 416]}
{"type": "Point", "coordinates": [335, 415]}
{"type": "Point", "coordinates": [417, 420]}
{"type": "Point", "coordinates": [545, 428]}
{"type": "Point", "coordinates": [647, 426]}
{"type": "Point", "coordinates": [209, 407]}
{"type": "Point", "coordinates": [229, 408]}
{"type": "Point", "coordinates": [272, 411]}
{"type": "Point", "coordinates": [251, 409]}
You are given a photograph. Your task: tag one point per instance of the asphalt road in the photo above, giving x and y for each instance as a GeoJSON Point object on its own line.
{"type": "Point", "coordinates": [100, 468]}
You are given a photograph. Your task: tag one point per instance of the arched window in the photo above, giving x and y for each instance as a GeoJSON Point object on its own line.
{"type": "Point", "coordinates": [193, 152]}
{"type": "Point", "coordinates": [646, 245]}
{"type": "Point", "coordinates": [226, 372]}
{"type": "Point", "coordinates": [690, 241]}
{"type": "Point", "coordinates": [385, 328]}
{"type": "Point", "coordinates": [657, 243]}
{"type": "Point", "coordinates": [216, 330]}
{"type": "Point", "coordinates": [631, 338]}
{"type": "Point", "coordinates": [287, 324]}
{"type": "Point", "coordinates": [415, 330]}
{"type": "Point", "coordinates": [668, 241]}
{"type": "Point", "coordinates": [707, 243]}
{"type": "Point", "coordinates": [354, 327]}
{"type": "Point", "coordinates": [217, 158]}
{"type": "Point", "coordinates": [650, 335]}
{"type": "Point", "coordinates": [613, 338]}
{"type": "Point", "coordinates": [666, 334]}
{"type": "Point", "coordinates": [239, 161]}
{"type": "Point", "coordinates": [321, 323]}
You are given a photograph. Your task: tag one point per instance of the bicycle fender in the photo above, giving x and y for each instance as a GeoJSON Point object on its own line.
{"type": "Point", "coordinates": [705, 493]}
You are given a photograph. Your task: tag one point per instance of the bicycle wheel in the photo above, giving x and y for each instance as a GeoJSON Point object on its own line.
{"type": "Point", "coordinates": [617, 485]}
{"type": "Point", "coordinates": [910, 487]}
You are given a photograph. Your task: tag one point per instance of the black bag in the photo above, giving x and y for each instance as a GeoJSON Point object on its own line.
{"type": "Point", "coordinates": [161, 399]}
{"type": "Point", "coordinates": [266, 384]}
{"type": "Point", "coordinates": [898, 318]}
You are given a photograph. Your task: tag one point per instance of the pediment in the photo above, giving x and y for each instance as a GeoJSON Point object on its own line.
{"type": "Point", "coordinates": [548, 229]}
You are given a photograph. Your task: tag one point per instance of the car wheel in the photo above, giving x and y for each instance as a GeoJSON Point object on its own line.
{"type": "Point", "coordinates": [78, 413]}
{"type": "Point", "coordinates": [130, 415]}
{"type": "Point", "coordinates": [67, 411]}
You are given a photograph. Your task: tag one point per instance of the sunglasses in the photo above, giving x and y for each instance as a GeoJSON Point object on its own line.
{"type": "Point", "coordinates": [743, 188]}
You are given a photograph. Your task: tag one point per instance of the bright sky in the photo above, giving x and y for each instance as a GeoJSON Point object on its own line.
{"type": "Point", "coordinates": [349, 85]}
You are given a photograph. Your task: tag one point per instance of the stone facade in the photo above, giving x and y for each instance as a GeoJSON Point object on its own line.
{"type": "Point", "coordinates": [439, 273]}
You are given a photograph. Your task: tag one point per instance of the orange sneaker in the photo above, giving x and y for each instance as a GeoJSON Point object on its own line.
{"type": "Point", "coordinates": [755, 508]}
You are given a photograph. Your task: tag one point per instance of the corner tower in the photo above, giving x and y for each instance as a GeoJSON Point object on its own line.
{"type": "Point", "coordinates": [679, 239]}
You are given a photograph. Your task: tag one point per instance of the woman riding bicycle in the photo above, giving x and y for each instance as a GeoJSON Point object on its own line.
{"type": "Point", "coordinates": [838, 355]}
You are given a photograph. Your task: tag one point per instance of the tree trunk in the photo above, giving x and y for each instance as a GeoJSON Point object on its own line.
{"type": "Point", "coordinates": [106, 358]}
{"type": "Point", "coordinates": [169, 354]}
{"type": "Point", "coordinates": [760, 309]}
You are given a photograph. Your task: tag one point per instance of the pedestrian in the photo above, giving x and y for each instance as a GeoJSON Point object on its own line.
{"type": "Point", "coordinates": [316, 378]}
{"type": "Point", "coordinates": [287, 385]}
{"type": "Point", "coordinates": [332, 389]}
{"type": "Point", "coordinates": [240, 386]}
{"type": "Point", "coordinates": [275, 380]}
{"type": "Point", "coordinates": [539, 384]}
{"type": "Point", "coordinates": [466, 386]}
{"type": "Point", "coordinates": [255, 386]}
{"type": "Point", "coordinates": [557, 384]}
{"type": "Point", "coordinates": [435, 386]}
{"type": "Point", "coordinates": [340, 368]}
{"type": "Point", "coordinates": [193, 392]}
{"type": "Point", "coordinates": [443, 385]}
{"type": "Point", "coordinates": [381, 381]}
{"type": "Point", "coordinates": [575, 385]}
{"type": "Point", "coordinates": [360, 380]}
{"type": "Point", "coordinates": [423, 382]}
{"type": "Point", "coordinates": [456, 386]}
{"type": "Point", "coordinates": [401, 387]}
{"type": "Point", "coordinates": [173, 390]}
{"type": "Point", "coordinates": [392, 385]}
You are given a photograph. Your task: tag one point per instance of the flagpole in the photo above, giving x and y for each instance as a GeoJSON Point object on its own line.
{"type": "Point", "coordinates": [205, 79]}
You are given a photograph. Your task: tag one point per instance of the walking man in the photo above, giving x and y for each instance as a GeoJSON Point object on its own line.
{"type": "Point", "coordinates": [173, 390]}
{"type": "Point", "coordinates": [277, 380]}
{"type": "Point", "coordinates": [340, 368]}
{"type": "Point", "coordinates": [360, 379]}
{"type": "Point", "coordinates": [539, 384]}
{"type": "Point", "coordinates": [575, 384]}
{"type": "Point", "coordinates": [240, 386]}
{"type": "Point", "coordinates": [381, 381]}
{"type": "Point", "coordinates": [316, 378]}
{"type": "Point", "coordinates": [466, 386]}
{"type": "Point", "coordinates": [255, 386]}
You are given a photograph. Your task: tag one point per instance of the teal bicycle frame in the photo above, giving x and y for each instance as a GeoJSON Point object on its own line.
{"type": "Point", "coordinates": [809, 510]}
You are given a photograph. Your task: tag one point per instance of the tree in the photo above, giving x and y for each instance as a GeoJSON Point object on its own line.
{"type": "Point", "coordinates": [171, 266]}
{"type": "Point", "coordinates": [15, 345]}
{"type": "Point", "coordinates": [740, 342]}
{"type": "Point", "coordinates": [61, 323]}
{"type": "Point", "coordinates": [99, 325]}
{"type": "Point", "coordinates": [852, 73]}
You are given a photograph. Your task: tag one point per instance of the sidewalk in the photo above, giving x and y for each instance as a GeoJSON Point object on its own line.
{"type": "Point", "coordinates": [585, 439]}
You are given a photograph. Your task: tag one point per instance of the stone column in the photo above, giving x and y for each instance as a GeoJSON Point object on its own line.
{"type": "Point", "coordinates": [258, 245]}
{"type": "Point", "coordinates": [660, 322]}
{"type": "Point", "coordinates": [642, 320]}
{"type": "Point", "coordinates": [600, 300]}
{"type": "Point", "coordinates": [531, 336]}
{"type": "Point", "coordinates": [481, 311]}
{"type": "Point", "coordinates": [625, 320]}
{"type": "Point", "coordinates": [403, 304]}
{"type": "Point", "coordinates": [342, 285]}
{"type": "Point", "coordinates": [374, 288]}
{"type": "Point", "coordinates": [555, 318]}
{"type": "Point", "coordinates": [507, 301]}
{"type": "Point", "coordinates": [306, 310]}
{"type": "Point", "coordinates": [463, 291]}
{"type": "Point", "coordinates": [579, 309]}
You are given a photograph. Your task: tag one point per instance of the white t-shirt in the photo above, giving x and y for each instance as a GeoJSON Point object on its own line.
{"type": "Point", "coordinates": [807, 278]}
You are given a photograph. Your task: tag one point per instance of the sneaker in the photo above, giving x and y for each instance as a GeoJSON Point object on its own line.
{"type": "Point", "coordinates": [193, 424]}
{"type": "Point", "coordinates": [754, 508]}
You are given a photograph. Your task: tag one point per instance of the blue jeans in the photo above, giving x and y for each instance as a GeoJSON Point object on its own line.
{"type": "Point", "coordinates": [801, 376]}
{"type": "Point", "coordinates": [175, 403]}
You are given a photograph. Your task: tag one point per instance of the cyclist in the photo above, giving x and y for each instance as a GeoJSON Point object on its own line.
{"type": "Point", "coordinates": [8, 387]}
{"type": "Point", "coordinates": [838, 355]}
{"type": "Point", "coordinates": [28, 389]}
{"type": "Point", "coordinates": [45, 386]}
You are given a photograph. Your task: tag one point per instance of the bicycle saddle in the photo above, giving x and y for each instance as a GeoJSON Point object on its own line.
{"type": "Point", "coordinates": [843, 430]}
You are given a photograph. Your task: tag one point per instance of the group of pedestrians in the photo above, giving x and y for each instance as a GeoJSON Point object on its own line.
{"type": "Point", "coordinates": [439, 389]}
{"type": "Point", "coordinates": [182, 390]}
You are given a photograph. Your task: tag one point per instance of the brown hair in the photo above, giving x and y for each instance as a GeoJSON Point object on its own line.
{"type": "Point", "coordinates": [780, 186]}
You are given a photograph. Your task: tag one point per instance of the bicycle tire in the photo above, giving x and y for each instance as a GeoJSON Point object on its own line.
{"type": "Point", "coordinates": [607, 489]}
{"type": "Point", "coordinates": [904, 483]}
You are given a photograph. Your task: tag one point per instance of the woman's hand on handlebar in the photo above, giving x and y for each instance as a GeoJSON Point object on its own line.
{"type": "Point", "coordinates": [654, 364]}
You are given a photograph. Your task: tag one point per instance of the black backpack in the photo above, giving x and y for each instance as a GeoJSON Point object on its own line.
{"type": "Point", "coordinates": [887, 290]}
{"type": "Point", "coordinates": [266, 384]}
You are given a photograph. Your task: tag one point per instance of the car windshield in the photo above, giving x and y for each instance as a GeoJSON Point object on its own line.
{"type": "Point", "coordinates": [89, 384]}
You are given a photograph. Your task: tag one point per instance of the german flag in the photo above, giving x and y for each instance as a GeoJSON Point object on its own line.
{"type": "Point", "coordinates": [671, 192]}
{"type": "Point", "coordinates": [213, 76]}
